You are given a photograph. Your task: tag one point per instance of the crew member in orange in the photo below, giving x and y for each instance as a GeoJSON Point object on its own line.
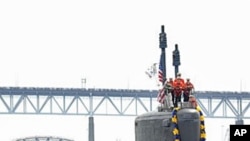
{"type": "Point", "coordinates": [178, 77]}
{"type": "Point", "coordinates": [189, 87]}
{"type": "Point", "coordinates": [178, 85]}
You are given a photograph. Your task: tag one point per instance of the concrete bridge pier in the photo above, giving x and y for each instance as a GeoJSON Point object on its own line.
{"type": "Point", "coordinates": [239, 122]}
{"type": "Point", "coordinates": [91, 129]}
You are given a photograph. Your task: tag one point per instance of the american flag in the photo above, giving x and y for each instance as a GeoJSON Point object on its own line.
{"type": "Point", "coordinates": [161, 94]}
{"type": "Point", "coordinates": [160, 71]}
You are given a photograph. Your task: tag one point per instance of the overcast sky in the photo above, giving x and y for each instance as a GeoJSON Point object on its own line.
{"type": "Point", "coordinates": [56, 43]}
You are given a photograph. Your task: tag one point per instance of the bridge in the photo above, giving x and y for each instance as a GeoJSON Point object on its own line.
{"type": "Point", "coordinates": [111, 102]}
{"type": "Point", "coordinates": [43, 138]}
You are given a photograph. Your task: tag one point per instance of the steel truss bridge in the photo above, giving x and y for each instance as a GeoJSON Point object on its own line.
{"type": "Point", "coordinates": [112, 102]}
{"type": "Point", "coordinates": [43, 138]}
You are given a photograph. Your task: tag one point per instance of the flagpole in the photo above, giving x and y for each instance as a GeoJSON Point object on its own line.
{"type": "Point", "coordinates": [163, 93]}
{"type": "Point", "coordinates": [163, 45]}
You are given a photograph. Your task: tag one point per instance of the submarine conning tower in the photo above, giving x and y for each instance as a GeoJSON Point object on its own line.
{"type": "Point", "coordinates": [158, 125]}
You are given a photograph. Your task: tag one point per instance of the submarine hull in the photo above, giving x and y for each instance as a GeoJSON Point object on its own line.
{"type": "Point", "coordinates": [153, 126]}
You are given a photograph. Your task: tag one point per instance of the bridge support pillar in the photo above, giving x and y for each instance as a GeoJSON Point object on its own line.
{"type": "Point", "coordinates": [91, 129]}
{"type": "Point", "coordinates": [239, 122]}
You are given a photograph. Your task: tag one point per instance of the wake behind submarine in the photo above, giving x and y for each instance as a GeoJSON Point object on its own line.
{"type": "Point", "coordinates": [183, 122]}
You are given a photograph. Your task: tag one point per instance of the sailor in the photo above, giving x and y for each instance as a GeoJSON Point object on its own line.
{"type": "Point", "coordinates": [168, 86]}
{"type": "Point", "coordinates": [178, 85]}
{"type": "Point", "coordinates": [178, 77]}
{"type": "Point", "coordinates": [170, 89]}
{"type": "Point", "coordinates": [193, 101]}
{"type": "Point", "coordinates": [189, 87]}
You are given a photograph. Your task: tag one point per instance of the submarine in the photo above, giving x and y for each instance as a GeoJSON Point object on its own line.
{"type": "Point", "coordinates": [182, 122]}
